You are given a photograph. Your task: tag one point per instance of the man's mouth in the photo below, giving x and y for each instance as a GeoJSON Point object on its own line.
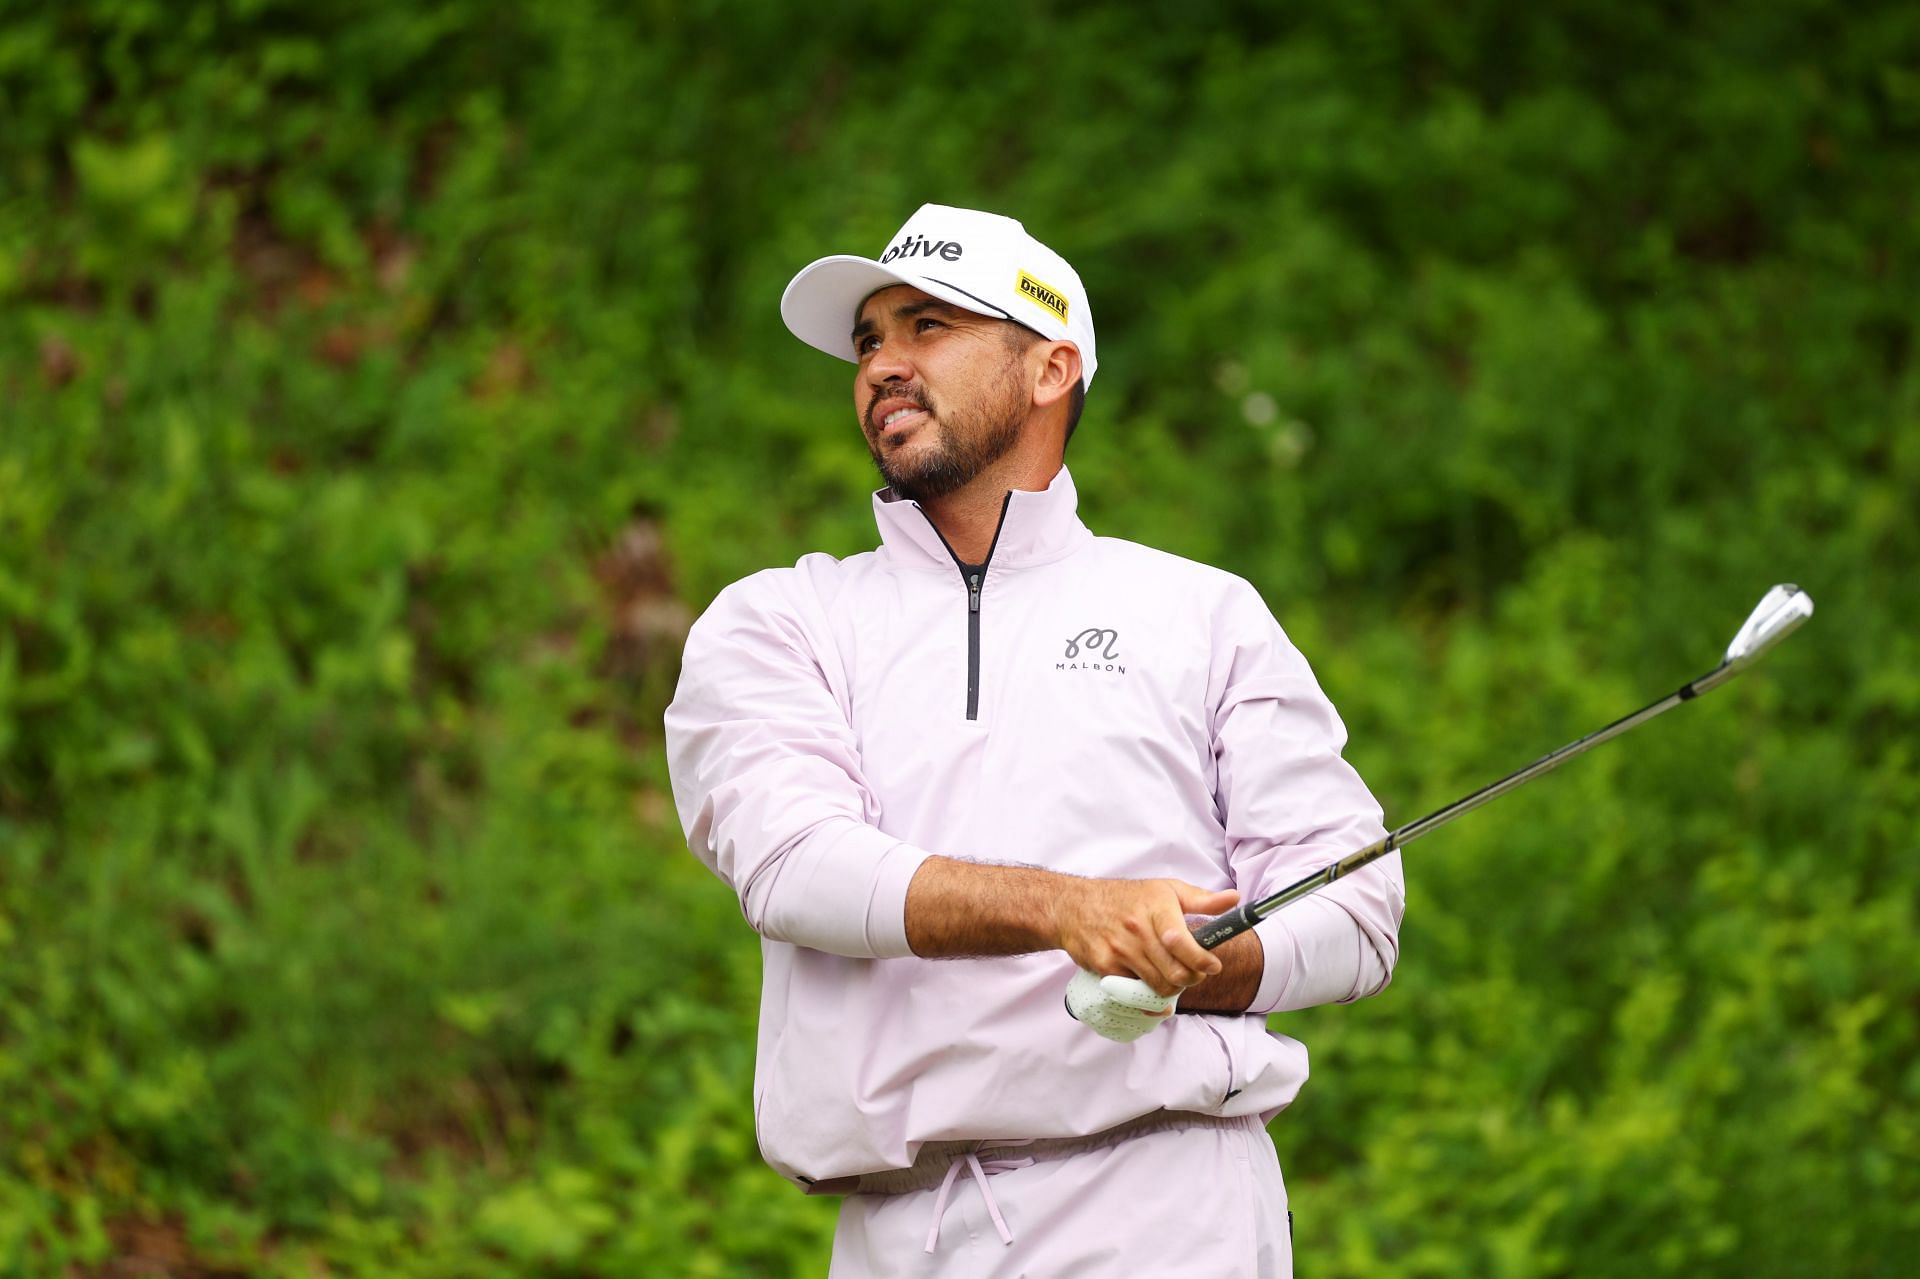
{"type": "Point", "coordinates": [900, 419]}
{"type": "Point", "coordinates": [890, 417]}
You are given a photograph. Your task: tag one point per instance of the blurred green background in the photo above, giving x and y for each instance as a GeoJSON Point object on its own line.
{"type": "Point", "coordinates": [383, 387]}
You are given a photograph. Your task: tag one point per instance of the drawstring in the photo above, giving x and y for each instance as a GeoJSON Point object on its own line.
{"type": "Point", "coordinates": [980, 1174]}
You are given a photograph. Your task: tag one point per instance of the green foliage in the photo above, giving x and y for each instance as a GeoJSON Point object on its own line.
{"type": "Point", "coordinates": [354, 360]}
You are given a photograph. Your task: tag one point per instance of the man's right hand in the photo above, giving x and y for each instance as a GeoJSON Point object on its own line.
{"type": "Point", "coordinates": [1138, 928]}
{"type": "Point", "coordinates": [1113, 927]}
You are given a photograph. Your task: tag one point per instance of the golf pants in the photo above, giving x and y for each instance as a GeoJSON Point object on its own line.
{"type": "Point", "coordinates": [1200, 1199]}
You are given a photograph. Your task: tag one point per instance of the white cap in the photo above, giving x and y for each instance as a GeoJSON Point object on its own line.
{"type": "Point", "coordinates": [980, 262]}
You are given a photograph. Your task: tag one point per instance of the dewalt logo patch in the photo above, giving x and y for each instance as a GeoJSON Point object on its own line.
{"type": "Point", "coordinates": [1032, 288]}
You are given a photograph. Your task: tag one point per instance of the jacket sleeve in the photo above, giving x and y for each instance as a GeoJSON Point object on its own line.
{"type": "Point", "coordinates": [1291, 804]}
{"type": "Point", "coordinates": [767, 776]}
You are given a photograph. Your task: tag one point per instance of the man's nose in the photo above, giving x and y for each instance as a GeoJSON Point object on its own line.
{"type": "Point", "coordinates": [889, 363]}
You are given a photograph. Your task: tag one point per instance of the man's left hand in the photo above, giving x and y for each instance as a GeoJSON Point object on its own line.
{"type": "Point", "coordinates": [1119, 1008]}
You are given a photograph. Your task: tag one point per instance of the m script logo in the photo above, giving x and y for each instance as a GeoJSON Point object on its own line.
{"type": "Point", "coordinates": [1038, 292]}
{"type": "Point", "coordinates": [1094, 649]}
{"type": "Point", "coordinates": [918, 246]}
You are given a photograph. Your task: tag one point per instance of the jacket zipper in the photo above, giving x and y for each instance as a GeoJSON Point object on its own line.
{"type": "Point", "coordinates": [975, 579]}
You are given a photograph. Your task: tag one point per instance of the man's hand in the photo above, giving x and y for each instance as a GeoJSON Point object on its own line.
{"type": "Point", "coordinates": [1112, 927]}
{"type": "Point", "coordinates": [1118, 1008]}
{"type": "Point", "coordinates": [1138, 928]}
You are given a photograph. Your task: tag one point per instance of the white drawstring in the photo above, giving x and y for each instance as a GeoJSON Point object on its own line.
{"type": "Point", "coordinates": [980, 1174]}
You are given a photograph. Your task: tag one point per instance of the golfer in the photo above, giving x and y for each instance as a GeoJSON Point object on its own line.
{"type": "Point", "coordinates": [957, 779]}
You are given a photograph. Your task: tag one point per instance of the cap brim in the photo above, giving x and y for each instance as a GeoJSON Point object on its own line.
{"type": "Point", "coordinates": [823, 301]}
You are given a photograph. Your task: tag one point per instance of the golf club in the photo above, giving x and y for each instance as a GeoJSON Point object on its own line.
{"type": "Point", "coordinates": [1775, 617]}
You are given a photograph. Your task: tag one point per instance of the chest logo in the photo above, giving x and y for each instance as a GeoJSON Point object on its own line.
{"type": "Point", "coordinates": [1094, 649]}
{"type": "Point", "coordinates": [1095, 639]}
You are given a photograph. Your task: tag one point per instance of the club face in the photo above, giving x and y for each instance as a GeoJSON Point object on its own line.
{"type": "Point", "coordinates": [1775, 617]}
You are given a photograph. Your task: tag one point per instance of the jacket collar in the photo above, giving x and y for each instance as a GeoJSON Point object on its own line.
{"type": "Point", "coordinates": [1036, 527]}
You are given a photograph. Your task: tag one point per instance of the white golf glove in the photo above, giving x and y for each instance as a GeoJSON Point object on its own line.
{"type": "Point", "coordinates": [1119, 1008]}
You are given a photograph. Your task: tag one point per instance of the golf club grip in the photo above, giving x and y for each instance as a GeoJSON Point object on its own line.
{"type": "Point", "coordinates": [1222, 928]}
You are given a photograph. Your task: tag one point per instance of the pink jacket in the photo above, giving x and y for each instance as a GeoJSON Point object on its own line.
{"type": "Point", "coordinates": [1090, 706]}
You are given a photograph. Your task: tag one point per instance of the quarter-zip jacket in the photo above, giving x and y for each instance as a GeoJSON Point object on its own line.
{"type": "Point", "coordinates": [1091, 706]}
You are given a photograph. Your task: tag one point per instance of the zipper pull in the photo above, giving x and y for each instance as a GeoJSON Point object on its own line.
{"type": "Point", "coordinates": [973, 592]}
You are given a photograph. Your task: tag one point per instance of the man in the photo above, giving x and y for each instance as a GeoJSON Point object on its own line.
{"type": "Point", "coordinates": [1001, 738]}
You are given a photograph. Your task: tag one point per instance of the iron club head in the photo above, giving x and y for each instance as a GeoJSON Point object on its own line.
{"type": "Point", "coordinates": [1778, 614]}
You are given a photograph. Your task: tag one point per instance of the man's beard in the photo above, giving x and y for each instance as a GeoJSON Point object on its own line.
{"type": "Point", "coordinates": [968, 443]}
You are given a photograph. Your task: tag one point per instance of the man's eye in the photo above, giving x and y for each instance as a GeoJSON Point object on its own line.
{"type": "Point", "coordinates": [865, 345]}
{"type": "Point", "coordinates": [925, 323]}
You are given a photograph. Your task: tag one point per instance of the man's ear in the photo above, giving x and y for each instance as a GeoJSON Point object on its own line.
{"type": "Point", "coordinates": [1059, 374]}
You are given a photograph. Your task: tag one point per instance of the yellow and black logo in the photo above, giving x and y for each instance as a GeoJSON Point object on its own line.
{"type": "Point", "coordinates": [1045, 296]}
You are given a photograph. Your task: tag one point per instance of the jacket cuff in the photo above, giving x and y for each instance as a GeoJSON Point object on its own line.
{"type": "Point", "coordinates": [894, 864]}
{"type": "Point", "coordinates": [1280, 958]}
{"type": "Point", "coordinates": [1312, 958]}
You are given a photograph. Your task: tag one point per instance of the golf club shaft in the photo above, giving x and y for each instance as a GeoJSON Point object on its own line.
{"type": "Point", "coordinates": [1221, 928]}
